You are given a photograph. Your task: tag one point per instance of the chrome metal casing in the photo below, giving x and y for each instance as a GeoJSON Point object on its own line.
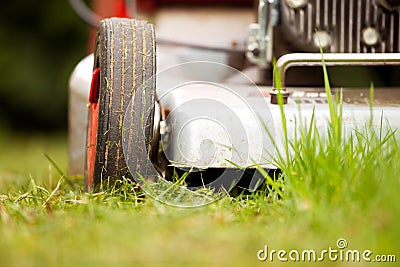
{"type": "Point", "coordinates": [196, 141]}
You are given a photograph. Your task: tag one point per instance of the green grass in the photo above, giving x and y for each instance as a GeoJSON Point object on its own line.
{"type": "Point", "coordinates": [22, 157]}
{"type": "Point", "coordinates": [332, 187]}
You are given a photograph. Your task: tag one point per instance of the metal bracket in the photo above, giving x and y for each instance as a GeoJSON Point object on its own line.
{"type": "Point", "coordinates": [260, 35]}
{"type": "Point", "coordinates": [329, 59]}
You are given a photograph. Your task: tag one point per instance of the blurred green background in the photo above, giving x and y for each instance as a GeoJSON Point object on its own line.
{"type": "Point", "coordinates": [41, 42]}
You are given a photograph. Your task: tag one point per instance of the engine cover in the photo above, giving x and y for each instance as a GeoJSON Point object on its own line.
{"type": "Point", "coordinates": [342, 26]}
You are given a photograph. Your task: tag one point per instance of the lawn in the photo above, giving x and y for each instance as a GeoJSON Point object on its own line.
{"type": "Point", "coordinates": [333, 191]}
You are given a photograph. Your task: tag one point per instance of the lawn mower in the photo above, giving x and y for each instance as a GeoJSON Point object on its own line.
{"type": "Point", "coordinates": [209, 117]}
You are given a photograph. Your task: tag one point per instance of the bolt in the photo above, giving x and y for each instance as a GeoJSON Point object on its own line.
{"type": "Point", "coordinates": [296, 4]}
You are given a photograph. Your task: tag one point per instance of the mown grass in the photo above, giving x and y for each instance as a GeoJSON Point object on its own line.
{"type": "Point", "coordinates": [332, 187]}
{"type": "Point", "coordinates": [22, 157]}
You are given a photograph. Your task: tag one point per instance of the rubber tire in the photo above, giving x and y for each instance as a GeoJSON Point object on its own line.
{"type": "Point", "coordinates": [125, 53]}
